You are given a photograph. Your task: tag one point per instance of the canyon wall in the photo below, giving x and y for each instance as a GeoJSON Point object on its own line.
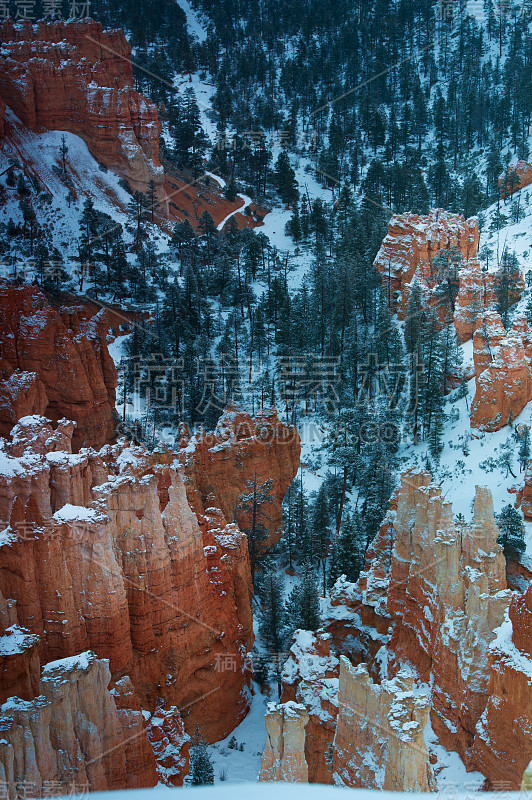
{"type": "Point", "coordinates": [447, 594]}
{"type": "Point", "coordinates": [407, 254]}
{"type": "Point", "coordinates": [76, 77]}
{"type": "Point", "coordinates": [310, 678]}
{"type": "Point", "coordinates": [439, 253]}
{"type": "Point", "coordinates": [431, 604]}
{"type": "Point", "coordinates": [502, 748]}
{"type": "Point", "coordinates": [503, 371]}
{"type": "Point", "coordinates": [55, 362]}
{"type": "Point", "coordinates": [97, 558]}
{"type": "Point", "coordinates": [523, 171]}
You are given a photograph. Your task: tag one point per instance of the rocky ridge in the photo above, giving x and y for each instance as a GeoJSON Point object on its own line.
{"type": "Point", "coordinates": [76, 77]}
{"type": "Point", "coordinates": [55, 362]}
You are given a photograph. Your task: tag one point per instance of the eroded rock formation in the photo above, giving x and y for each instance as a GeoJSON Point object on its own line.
{"type": "Point", "coordinates": [54, 362]}
{"type": "Point", "coordinates": [503, 370]}
{"type": "Point", "coordinates": [431, 599]}
{"type": "Point", "coordinates": [241, 450]}
{"type": "Point", "coordinates": [76, 77]}
{"type": "Point", "coordinates": [103, 552]}
{"type": "Point", "coordinates": [408, 254]}
{"type": "Point", "coordinates": [284, 755]}
{"type": "Point", "coordinates": [502, 748]}
{"type": "Point", "coordinates": [70, 737]}
{"type": "Point", "coordinates": [447, 594]}
{"type": "Point", "coordinates": [310, 678]}
{"type": "Point", "coordinates": [379, 741]}
{"type": "Point", "coordinates": [518, 176]}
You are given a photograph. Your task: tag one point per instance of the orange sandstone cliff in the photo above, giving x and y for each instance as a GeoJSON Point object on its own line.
{"type": "Point", "coordinates": [54, 362]}
{"type": "Point", "coordinates": [76, 77]}
{"type": "Point", "coordinates": [439, 253]}
{"type": "Point", "coordinates": [71, 737]}
{"type": "Point", "coordinates": [94, 559]}
{"type": "Point", "coordinates": [240, 452]}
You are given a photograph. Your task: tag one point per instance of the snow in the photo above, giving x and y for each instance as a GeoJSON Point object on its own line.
{"type": "Point", "coordinates": [41, 153]}
{"type": "Point", "coordinates": [16, 640]}
{"type": "Point", "coordinates": [82, 661]}
{"type": "Point", "coordinates": [116, 348]}
{"type": "Point", "coordinates": [504, 646]}
{"type": "Point", "coordinates": [9, 467]}
{"type": "Point", "coordinates": [247, 202]}
{"type": "Point", "coordinates": [452, 775]}
{"type": "Point", "coordinates": [294, 791]}
{"type": "Point", "coordinates": [70, 513]}
{"type": "Point", "coordinates": [242, 766]}
{"type": "Point", "coordinates": [195, 27]}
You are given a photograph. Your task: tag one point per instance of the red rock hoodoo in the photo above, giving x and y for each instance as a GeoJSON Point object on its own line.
{"type": "Point", "coordinates": [171, 616]}
{"type": "Point", "coordinates": [409, 254]}
{"type": "Point", "coordinates": [71, 736]}
{"type": "Point", "coordinates": [409, 249]}
{"type": "Point", "coordinates": [502, 748]}
{"type": "Point", "coordinates": [503, 371]}
{"type": "Point", "coordinates": [241, 449]}
{"type": "Point", "coordinates": [54, 362]}
{"type": "Point", "coordinates": [75, 77]}
{"type": "Point", "coordinates": [523, 171]}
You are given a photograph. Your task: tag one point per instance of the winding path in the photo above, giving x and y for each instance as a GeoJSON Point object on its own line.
{"type": "Point", "coordinates": [247, 200]}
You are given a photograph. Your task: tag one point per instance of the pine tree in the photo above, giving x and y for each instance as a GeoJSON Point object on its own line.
{"type": "Point", "coordinates": [506, 285]}
{"type": "Point", "coordinates": [151, 199]}
{"type": "Point", "coordinates": [285, 179]}
{"type": "Point", "coordinates": [201, 770]}
{"type": "Point", "coordinates": [524, 449]}
{"type": "Point", "coordinates": [273, 621]}
{"type": "Point", "coordinates": [63, 152]}
{"type": "Point", "coordinates": [321, 528]}
{"type": "Point", "coordinates": [252, 505]}
{"type": "Point", "coordinates": [348, 553]}
{"type": "Point", "coordinates": [304, 602]}
{"type": "Point", "coordinates": [511, 532]}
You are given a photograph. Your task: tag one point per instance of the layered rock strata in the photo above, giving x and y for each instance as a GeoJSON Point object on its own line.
{"type": "Point", "coordinates": [310, 678]}
{"type": "Point", "coordinates": [431, 599]}
{"type": "Point", "coordinates": [70, 738]}
{"type": "Point", "coordinates": [438, 252]}
{"type": "Point", "coordinates": [447, 594]}
{"type": "Point", "coordinates": [502, 748]}
{"type": "Point", "coordinates": [240, 453]}
{"type": "Point", "coordinates": [379, 741]}
{"type": "Point", "coordinates": [102, 551]}
{"type": "Point", "coordinates": [408, 252]}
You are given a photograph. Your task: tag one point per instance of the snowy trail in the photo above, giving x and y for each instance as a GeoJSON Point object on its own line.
{"type": "Point", "coordinates": [247, 201]}
{"type": "Point", "coordinates": [193, 21]}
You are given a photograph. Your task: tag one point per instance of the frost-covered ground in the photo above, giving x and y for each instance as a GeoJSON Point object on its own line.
{"type": "Point", "coordinates": [242, 766]}
{"type": "Point", "coordinates": [288, 791]}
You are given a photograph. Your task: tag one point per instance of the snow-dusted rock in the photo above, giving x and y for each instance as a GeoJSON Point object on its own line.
{"type": "Point", "coordinates": [284, 755]}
